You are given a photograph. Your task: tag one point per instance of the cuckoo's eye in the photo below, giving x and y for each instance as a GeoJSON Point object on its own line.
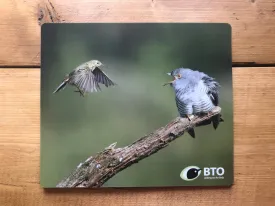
{"type": "Point", "coordinates": [177, 76]}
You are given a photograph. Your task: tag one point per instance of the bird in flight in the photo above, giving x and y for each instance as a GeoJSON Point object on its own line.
{"type": "Point", "coordinates": [195, 93]}
{"type": "Point", "coordinates": [86, 78]}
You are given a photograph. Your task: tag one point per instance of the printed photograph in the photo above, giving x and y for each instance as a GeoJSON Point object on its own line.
{"type": "Point", "coordinates": [136, 105]}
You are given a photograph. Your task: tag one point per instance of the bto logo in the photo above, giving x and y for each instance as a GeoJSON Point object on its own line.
{"type": "Point", "coordinates": [191, 173]}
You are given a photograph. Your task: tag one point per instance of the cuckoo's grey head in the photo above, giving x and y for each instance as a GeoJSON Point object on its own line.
{"type": "Point", "coordinates": [181, 75]}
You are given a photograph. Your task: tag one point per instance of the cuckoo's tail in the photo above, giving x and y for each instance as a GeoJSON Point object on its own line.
{"type": "Point", "coordinates": [216, 121]}
{"type": "Point", "coordinates": [191, 132]}
{"type": "Point", "coordinates": [61, 86]}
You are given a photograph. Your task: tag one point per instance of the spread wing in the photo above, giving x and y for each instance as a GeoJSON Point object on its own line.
{"type": "Point", "coordinates": [84, 79]}
{"type": "Point", "coordinates": [212, 87]}
{"type": "Point", "coordinates": [102, 78]}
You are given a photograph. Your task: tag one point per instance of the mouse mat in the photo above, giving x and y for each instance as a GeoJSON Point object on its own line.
{"type": "Point", "coordinates": [136, 105]}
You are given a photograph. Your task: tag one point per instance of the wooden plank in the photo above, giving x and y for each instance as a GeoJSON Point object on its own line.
{"type": "Point", "coordinates": [252, 22]}
{"type": "Point", "coordinates": [254, 149]}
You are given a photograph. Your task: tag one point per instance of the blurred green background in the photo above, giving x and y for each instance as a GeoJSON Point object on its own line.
{"type": "Point", "coordinates": [137, 56]}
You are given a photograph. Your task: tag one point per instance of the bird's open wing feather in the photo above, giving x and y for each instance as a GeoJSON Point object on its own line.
{"type": "Point", "coordinates": [102, 78]}
{"type": "Point", "coordinates": [85, 80]}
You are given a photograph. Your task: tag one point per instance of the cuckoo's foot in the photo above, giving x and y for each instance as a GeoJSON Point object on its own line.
{"type": "Point", "coordinates": [190, 117]}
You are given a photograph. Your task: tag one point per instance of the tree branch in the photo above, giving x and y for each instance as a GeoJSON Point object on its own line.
{"type": "Point", "coordinates": [95, 171]}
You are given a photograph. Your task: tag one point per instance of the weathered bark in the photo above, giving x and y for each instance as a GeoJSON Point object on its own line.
{"type": "Point", "coordinates": [95, 171]}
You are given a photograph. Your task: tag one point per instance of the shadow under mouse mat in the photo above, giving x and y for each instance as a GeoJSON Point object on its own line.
{"type": "Point", "coordinates": [136, 105]}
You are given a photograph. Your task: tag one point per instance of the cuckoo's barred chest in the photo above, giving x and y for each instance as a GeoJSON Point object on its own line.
{"type": "Point", "coordinates": [193, 103]}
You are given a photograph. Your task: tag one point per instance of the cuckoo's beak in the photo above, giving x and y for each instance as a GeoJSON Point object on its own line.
{"type": "Point", "coordinates": [171, 82]}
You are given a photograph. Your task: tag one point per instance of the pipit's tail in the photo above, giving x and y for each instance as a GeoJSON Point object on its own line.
{"type": "Point", "coordinates": [61, 86]}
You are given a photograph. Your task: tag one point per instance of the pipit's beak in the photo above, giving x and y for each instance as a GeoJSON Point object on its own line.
{"type": "Point", "coordinates": [171, 82]}
{"type": "Point", "coordinates": [104, 66]}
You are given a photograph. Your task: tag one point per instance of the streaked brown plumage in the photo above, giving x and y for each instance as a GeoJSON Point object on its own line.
{"type": "Point", "coordinates": [86, 78]}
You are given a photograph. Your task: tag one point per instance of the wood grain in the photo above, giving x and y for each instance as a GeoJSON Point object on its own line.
{"type": "Point", "coordinates": [254, 147]}
{"type": "Point", "coordinates": [252, 22]}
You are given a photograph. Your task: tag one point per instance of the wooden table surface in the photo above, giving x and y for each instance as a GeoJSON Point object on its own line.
{"type": "Point", "coordinates": [253, 28]}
